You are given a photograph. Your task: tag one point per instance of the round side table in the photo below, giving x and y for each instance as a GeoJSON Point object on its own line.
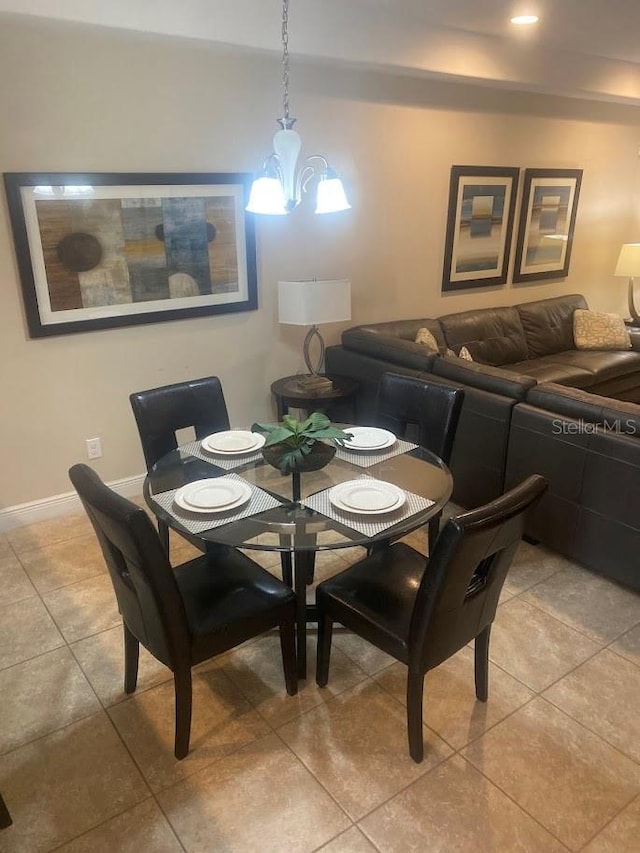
{"type": "Point", "coordinates": [288, 393]}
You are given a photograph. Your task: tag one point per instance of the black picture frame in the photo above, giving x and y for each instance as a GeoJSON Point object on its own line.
{"type": "Point", "coordinates": [104, 250]}
{"type": "Point", "coordinates": [547, 223]}
{"type": "Point", "coordinates": [479, 226]}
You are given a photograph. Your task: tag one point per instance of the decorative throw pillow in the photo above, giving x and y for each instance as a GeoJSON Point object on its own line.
{"type": "Point", "coordinates": [424, 337]}
{"type": "Point", "coordinates": [593, 330]}
{"type": "Point", "coordinates": [462, 353]}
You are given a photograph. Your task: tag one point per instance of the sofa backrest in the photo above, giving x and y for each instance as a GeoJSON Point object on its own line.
{"type": "Point", "coordinates": [406, 330]}
{"type": "Point", "coordinates": [395, 342]}
{"type": "Point", "coordinates": [548, 323]}
{"type": "Point", "coordinates": [492, 335]}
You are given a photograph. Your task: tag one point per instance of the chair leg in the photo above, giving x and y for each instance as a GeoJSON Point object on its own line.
{"type": "Point", "coordinates": [434, 530]}
{"type": "Point", "coordinates": [415, 687]}
{"type": "Point", "coordinates": [182, 685]}
{"type": "Point", "coordinates": [163, 533]}
{"type": "Point", "coordinates": [325, 631]}
{"type": "Point", "coordinates": [481, 655]}
{"type": "Point", "coordinates": [288, 647]}
{"type": "Point", "coordinates": [287, 568]}
{"type": "Point", "coordinates": [131, 655]}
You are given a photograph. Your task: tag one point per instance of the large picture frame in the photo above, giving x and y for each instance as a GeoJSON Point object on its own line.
{"type": "Point", "coordinates": [97, 251]}
{"type": "Point", "coordinates": [479, 226]}
{"type": "Point", "coordinates": [547, 222]}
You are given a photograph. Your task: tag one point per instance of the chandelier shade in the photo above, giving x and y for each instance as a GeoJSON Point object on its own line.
{"type": "Point", "coordinates": [280, 187]}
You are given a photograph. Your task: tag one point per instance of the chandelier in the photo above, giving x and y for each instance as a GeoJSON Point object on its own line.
{"type": "Point", "coordinates": [281, 184]}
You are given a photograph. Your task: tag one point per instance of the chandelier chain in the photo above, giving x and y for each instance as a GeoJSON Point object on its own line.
{"type": "Point", "coordinates": [285, 58]}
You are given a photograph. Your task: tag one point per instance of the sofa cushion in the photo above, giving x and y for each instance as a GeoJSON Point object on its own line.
{"type": "Point", "coordinates": [551, 368]}
{"type": "Point", "coordinates": [580, 369]}
{"type": "Point", "coordinates": [548, 323]}
{"type": "Point", "coordinates": [492, 335]}
{"type": "Point", "coordinates": [593, 330]}
{"type": "Point", "coordinates": [603, 365]}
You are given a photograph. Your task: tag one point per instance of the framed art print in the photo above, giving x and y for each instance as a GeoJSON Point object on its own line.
{"type": "Point", "coordinates": [547, 222]}
{"type": "Point", "coordinates": [96, 251]}
{"type": "Point", "coordinates": [479, 226]}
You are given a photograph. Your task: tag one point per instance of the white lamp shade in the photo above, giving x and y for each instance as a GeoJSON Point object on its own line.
{"type": "Point", "coordinates": [266, 196]}
{"type": "Point", "coordinates": [629, 260]}
{"type": "Point", "coordinates": [309, 303]}
{"type": "Point", "coordinates": [331, 196]}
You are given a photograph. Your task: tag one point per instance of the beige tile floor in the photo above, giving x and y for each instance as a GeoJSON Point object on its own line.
{"type": "Point", "coordinates": [550, 763]}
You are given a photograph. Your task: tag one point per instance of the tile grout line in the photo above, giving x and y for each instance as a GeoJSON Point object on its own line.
{"type": "Point", "coordinates": [506, 793]}
{"type": "Point", "coordinates": [107, 820]}
{"type": "Point", "coordinates": [595, 734]}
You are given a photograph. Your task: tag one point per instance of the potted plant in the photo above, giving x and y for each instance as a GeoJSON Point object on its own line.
{"type": "Point", "coordinates": [295, 445]}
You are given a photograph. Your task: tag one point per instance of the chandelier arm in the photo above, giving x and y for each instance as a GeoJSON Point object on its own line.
{"type": "Point", "coordinates": [304, 176]}
{"type": "Point", "coordinates": [309, 171]}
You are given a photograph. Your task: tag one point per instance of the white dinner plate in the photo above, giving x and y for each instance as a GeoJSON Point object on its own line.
{"type": "Point", "coordinates": [367, 496]}
{"type": "Point", "coordinates": [233, 442]}
{"type": "Point", "coordinates": [212, 495]}
{"type": "Point", "coordinates": [369, 438]}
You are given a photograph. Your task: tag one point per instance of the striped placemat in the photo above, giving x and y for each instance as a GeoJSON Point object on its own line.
{"type": "Point", "coordinates": [197, 523]}
{"type": "Point", "coordinates": [370, 525]}
{"type": "Point", "coordinates": [194, 448]}
{"type": "Point", "coordinates": [367, 458]}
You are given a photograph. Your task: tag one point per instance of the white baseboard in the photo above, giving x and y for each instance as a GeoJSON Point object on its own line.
{"type": "Point", "coordinates": [65, 504]}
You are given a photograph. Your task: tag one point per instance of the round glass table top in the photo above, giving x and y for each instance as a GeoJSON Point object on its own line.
{"type": "Point", "coordinates": [291, 526]}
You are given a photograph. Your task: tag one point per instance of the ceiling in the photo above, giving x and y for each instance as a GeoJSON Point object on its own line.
{"type": "Point", "coordinates": [580, 48]}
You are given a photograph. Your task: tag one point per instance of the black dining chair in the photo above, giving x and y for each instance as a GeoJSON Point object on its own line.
{"type": "Point", "coordinates": [160, 412]}
{"type": "Point", "coordinates": [423, 612]}
{"type": "Point", "coordinates": [405, 402]}
{"type": "Point", "coordinates": [187, 614]}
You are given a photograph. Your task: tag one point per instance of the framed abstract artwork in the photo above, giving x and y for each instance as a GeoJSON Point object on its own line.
{"type": "Point", "coordinates": [479, 226]}
{"type": "Point", "coordinates": [96, 251]}
{"type": "Point", "coordinates": [547, 222]}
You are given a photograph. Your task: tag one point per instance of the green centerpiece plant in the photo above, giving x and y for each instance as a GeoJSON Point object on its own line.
{"type": "Point", "coordinates": [307, 445]}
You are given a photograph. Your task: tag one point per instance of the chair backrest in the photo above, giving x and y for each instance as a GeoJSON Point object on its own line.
{"type": "Point", "coordinates": [148, 596]}
{"type": "Point", "coordinates": [460, 588]}
{"type": "Point", "coordinates": [159, 412]}
{"type": "Point", "coordinates": [434, 409]}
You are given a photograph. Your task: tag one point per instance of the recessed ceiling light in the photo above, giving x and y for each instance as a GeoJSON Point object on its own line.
{"type": "Point", "coordinates": [525, 19]}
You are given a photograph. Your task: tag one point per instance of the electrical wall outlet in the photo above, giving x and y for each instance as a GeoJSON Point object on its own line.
{"type": "Point", "coordinates": [94, 448]}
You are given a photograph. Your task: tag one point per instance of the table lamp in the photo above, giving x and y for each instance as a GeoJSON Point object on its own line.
{"type": "Point", "coordinates": [310, 303]}
{"type": "Point", "coordinates": [629, 265]}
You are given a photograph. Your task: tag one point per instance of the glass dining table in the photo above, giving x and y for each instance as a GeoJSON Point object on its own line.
{"type": "Point", "coordinates": [298, 516]}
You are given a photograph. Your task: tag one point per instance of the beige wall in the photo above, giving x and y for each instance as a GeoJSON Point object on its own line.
{"type": "Point", "coordinates": [76, 99]}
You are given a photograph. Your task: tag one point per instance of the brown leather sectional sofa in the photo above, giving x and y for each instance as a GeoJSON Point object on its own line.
{"type": "Point", "coordinates": [533, 403]}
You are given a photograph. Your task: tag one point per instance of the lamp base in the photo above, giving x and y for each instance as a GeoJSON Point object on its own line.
{"type": "Point", "coordinates": [632, 305]}
{"type": "Point", "coordinates": [314, 382]}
